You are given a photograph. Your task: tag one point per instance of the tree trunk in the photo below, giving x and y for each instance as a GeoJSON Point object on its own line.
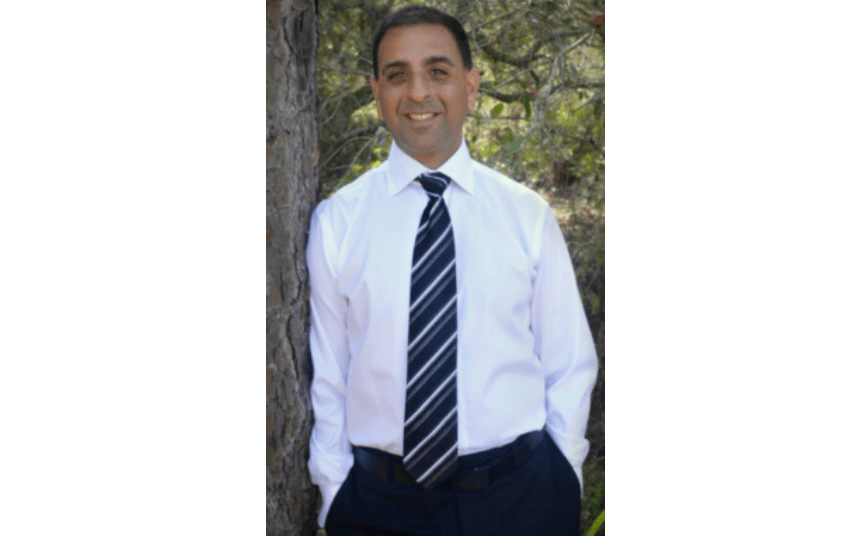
{"type": "Point", "coordinates": [292, 110]}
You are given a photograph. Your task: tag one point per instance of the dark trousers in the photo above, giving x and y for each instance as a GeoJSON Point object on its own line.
{"type": "Point", "coordinates": [540, 498]}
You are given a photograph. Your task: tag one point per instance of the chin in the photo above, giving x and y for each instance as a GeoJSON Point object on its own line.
{"type": "Point", "coordinates": [419, 148]}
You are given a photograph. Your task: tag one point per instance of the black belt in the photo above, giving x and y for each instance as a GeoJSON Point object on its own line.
{"type": "Point", "coordinates": [509, 458]}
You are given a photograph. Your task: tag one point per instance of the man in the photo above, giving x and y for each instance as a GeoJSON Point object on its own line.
{"type": "Point", "coordinates": [453, 364]}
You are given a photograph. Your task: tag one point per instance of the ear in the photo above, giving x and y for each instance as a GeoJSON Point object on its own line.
{"type": "Point", "coordinates": [473, 81]}
{"type": "Point", "coordinates": [374, 85]}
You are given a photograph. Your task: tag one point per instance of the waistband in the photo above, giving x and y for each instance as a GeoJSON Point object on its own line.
{"type": "Point", "coordinates": [475, 471]}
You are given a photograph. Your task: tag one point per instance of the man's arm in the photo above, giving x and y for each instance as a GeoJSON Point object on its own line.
{"type": "Point", "coordinates": [330, 453]}
{"type": "Point", "coordinates": [563, 342]}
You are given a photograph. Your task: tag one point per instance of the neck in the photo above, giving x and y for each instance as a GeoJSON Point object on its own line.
{"type": "Point", "coordinates": [435, 160]}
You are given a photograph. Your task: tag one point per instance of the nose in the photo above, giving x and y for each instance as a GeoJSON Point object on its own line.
{"type": "Point", "coordinates": [419, 90]}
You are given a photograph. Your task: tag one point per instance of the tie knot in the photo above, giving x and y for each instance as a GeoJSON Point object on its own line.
{"type": "Point", "coordinates": [434, 182]}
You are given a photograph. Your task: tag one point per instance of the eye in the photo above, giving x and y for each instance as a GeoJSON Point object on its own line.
{"type": "Point", "coordinates": [438, 71]}
{"type": "Point", "coordinates": [394, 75]}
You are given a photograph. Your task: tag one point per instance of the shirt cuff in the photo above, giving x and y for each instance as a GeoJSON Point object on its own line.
{"type": "Point", "coordinates": [328, 493]}
{"type": "Point", "coordinates": [328, 471]}
{"type": "Point", "coordinates": [574, 449]}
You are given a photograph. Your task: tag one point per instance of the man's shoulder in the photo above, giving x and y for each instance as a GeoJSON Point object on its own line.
{"type": "Point", "coordinates": [348, 197]}
{"type": "Point", "coordinates": [370, 178]}
{"type": "Point", "coordinates": [502, 185]}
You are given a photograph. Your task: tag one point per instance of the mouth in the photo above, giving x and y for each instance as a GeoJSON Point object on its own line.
{"type": "Point", "coordinates": [422, 116]}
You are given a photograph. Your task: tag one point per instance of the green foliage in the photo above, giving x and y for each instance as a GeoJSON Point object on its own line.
{"type": "Point", "coordinates": [593, 501]}
{"type": "Point", "coordinates": [597, 525]}
{"type": "Point", "coordinates": [541, 65]}
{"type": "Point", "coordinates": [514, 144]}
{"type": "Point", "coordinates": [527, 99]}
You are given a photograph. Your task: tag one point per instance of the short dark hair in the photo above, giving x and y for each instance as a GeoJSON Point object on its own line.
{"type": "Point", "coordinates": [409, 16]}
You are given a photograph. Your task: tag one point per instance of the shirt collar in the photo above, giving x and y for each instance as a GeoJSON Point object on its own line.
{"type": "Point", "coordinates": [403, 169]}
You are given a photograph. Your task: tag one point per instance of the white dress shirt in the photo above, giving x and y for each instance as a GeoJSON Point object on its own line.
{"type": "Point", "coordinates": [525, 356]}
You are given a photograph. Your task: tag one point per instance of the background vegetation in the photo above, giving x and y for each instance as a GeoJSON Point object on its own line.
{"type": "Point", "coordinates": [539, 119]}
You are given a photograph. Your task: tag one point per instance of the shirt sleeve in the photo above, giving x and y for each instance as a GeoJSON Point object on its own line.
{"type": "Point", "coordinates": [330, 453]}
{"type": "Point", "coordinates": [565, 347]}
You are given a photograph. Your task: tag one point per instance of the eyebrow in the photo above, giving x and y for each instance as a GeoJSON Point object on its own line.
{"type": "Point", "coordinates": [429, 61]}
{"type": "Point", "coordinates": [439, 59]}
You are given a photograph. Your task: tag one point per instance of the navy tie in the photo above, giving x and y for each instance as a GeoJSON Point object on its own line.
{"type": "Point", "coordinates": [430, 430]}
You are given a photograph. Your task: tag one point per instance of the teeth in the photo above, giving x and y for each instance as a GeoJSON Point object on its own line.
{"type": "Point", "coordinates": [419, 117]}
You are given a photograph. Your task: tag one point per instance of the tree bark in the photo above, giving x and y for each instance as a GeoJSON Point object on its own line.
{"type": "Point", "coordinates": [292, 118]}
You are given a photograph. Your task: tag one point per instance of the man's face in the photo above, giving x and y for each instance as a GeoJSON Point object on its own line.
{"type": "Point", "coordinates": [423, 91]}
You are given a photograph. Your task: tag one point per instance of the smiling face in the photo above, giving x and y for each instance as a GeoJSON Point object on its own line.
{"type": "Point", "coordinates": [423, 91]}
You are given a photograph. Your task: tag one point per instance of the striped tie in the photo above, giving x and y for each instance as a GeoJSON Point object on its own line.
{"type": "Point", "coordinates": [430, 430]}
